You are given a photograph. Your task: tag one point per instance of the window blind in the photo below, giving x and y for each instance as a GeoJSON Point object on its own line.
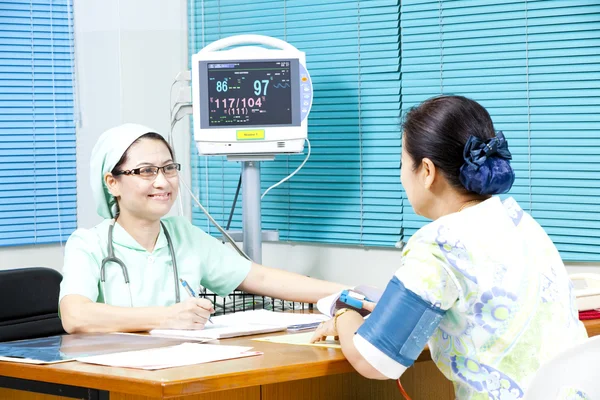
{"type": "Point", "coordinates": [349, 191]}
{"type": "Point", "coordinates": [534, 66]}
{"type": "Point", "coordinates": [37, 131]}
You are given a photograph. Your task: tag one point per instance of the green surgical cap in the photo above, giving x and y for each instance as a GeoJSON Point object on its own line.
{"type": "Point", "coordinates": [107, 152]}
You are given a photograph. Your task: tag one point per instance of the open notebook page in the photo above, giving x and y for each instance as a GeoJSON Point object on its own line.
{"type": "Point", "coordinates": [218, 331]}
{"type": "Point", "coordinates": [244, 323]}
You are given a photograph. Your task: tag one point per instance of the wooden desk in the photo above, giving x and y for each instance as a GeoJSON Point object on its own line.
{"type": "Point", "coordinates": [593, 327]}
{"type": "Point", "coordinates": [283, 372]}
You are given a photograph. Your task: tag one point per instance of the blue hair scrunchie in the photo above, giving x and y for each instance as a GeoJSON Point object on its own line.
{"type": "Point", "coordinates": [487, 167]}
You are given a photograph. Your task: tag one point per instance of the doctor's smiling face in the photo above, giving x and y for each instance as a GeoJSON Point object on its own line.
{"type": "Point", "coordinates": [143, 191]}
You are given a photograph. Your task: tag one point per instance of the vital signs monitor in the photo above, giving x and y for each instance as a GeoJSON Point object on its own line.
{"type": "Point", "coordinates": [249, 99]}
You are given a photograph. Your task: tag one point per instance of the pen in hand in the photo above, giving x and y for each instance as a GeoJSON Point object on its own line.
{"type": "Point", "coordinates": [203, 295]}
{"type": "Point", "coordinates": [190, 291]}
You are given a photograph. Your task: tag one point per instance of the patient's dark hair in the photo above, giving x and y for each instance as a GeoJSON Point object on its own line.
{"type": "Point", "coordinates": [438, 129]}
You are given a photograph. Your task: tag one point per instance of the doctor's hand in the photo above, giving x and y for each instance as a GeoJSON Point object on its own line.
{"type": "Point", "coordinates": [189, 314]}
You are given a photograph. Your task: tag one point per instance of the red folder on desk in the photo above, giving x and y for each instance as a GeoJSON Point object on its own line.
{"type": "Point", "coordinates": [589, 314]}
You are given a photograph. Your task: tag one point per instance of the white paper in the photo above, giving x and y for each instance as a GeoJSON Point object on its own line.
{"type": "Point", "coordinates": [171, 356]}
{"type": "Point", "coordinates": [172, 336]}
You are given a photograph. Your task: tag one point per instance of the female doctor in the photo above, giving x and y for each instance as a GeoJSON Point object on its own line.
{"type": "Point", "coordinates": [482, 284]}
{"type": "Point", "coordinates": [124, 274]}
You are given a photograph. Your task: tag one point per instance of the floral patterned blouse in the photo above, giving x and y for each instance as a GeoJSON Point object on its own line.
{"type": "Point", "coordinates": [510, 304]}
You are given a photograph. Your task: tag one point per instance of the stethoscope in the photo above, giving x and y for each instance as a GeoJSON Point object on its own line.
{"type": "Point", "coordinates": [114, 259]}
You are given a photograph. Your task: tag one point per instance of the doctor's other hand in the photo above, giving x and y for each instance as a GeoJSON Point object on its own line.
{"type": "Point", "coordinates": [192, 313]}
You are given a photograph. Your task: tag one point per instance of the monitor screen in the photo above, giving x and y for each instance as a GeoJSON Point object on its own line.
{"type": "Point", "coordinates": [249, 93]}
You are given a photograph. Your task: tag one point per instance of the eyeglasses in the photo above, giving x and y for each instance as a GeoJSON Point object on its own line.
{"type": "Point", "coordinates": [150, 172]}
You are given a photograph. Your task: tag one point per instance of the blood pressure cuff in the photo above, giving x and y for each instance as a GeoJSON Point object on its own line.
{"type": "Point", "coordinates": [399, 327]}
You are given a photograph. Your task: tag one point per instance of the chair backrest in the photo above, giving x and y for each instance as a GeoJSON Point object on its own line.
{"type": "Point", "coordinates": [29, 303]}
{"type": "Point", "coordinates": [575, 368]}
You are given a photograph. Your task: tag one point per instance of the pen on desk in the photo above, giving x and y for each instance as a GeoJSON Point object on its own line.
{"type": "Point", "coordinates": [190, 291]}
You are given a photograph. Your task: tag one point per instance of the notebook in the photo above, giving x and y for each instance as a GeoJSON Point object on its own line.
{"type": "Point", "coordinates": [218, 331]}
{"type": "Point", "coordinates": [245, 323]}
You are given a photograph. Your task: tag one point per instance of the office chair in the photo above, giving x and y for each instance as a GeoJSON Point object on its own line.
{"type": "Point", "coordinates": [29, 303]}
{"type": "Point", "coordinates": [573, 370]}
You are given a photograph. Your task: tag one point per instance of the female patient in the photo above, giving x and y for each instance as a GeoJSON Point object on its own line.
{"type": "Point", "coordinates": [135, 181]}
{"type": "Point", "coordinates": [482, 283]}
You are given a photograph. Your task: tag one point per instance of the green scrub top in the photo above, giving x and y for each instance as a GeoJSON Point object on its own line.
{"type": "Point", "coordinates": [201, 260]}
